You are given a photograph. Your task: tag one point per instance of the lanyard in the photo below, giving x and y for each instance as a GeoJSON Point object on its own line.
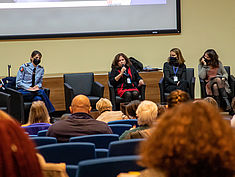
{"type": "Point", "coordinates": [175, 69]}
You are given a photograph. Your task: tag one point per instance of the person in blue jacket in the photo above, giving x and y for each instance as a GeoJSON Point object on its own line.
{"type": "Point", "coordinates": [29, 81]}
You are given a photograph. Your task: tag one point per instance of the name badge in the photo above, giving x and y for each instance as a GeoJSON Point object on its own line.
{"type": "Point", "coordinates": [128, 80]}
{"type": "Point", "coordinates": [175, 79]}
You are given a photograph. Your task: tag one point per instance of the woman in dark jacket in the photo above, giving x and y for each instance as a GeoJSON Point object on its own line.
{"type": "Point", "coordinates": [175, 72]}
{"type": "Point", "coordinates": [125, 78]}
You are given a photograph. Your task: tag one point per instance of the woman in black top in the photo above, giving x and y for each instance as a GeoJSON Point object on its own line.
{"type": "Point", "coordinates": [175, 72]}
{"type": "Point", "coordinates": [125, 78]}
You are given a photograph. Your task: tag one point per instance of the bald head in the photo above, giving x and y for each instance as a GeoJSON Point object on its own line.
{"type": "Point", "coordinates": [80, 103]}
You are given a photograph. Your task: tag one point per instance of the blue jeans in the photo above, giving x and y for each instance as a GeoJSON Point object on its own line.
{"type": "Point", "coordinates": [37, 95]}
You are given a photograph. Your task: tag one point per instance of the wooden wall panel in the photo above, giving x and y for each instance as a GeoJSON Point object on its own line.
{"type": "Point", "coordinates": [56, 85]}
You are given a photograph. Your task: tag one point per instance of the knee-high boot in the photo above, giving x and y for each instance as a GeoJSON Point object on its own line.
{"type": "Point", "coordinates": [224, 95]}
{"type": "Point", "coordinates": [217, 99]}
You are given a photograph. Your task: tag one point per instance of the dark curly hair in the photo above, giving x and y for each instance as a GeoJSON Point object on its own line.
{"type": "Point", "coordinates": [116, 59]}
{"type": "Point", "coordinates": [214, 62]}
{"type": "Point", "coordinates": [176, 97]}
{"type": "Point", "coordinates": [191, 140]}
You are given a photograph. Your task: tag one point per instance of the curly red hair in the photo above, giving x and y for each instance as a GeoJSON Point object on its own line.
{"type": "Point", "coordinates": [191, 139]}
{"type": "Point", "coordinates": [17, 153]}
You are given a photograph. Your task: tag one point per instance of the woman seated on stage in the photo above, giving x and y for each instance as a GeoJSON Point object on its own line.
{"type": "Point", "coordinates": [212, 71]}
{"type": "Point", "coordinates": [125, 78]}
{"type": "Point", "coordinates": [175, 72]}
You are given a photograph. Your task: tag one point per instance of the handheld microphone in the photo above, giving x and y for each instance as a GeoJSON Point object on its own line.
{"type": "Point", "coordinates": [125, 72]}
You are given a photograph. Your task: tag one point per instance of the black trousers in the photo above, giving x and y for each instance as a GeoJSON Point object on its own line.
{"type": "Point", "coordinates": [183, 85]}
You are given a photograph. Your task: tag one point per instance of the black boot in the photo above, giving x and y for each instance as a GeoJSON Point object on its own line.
{"type": "Point", "coordinates": [224, 95]}
{"type": "Point", "coordinates": [217, 99]}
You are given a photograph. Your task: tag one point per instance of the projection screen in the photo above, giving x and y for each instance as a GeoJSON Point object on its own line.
{"type": "Point", "coordinates": [70, 18]}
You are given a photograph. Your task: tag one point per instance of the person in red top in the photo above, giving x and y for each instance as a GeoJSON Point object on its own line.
{"type": "Point", "coordinates": [125, 78]}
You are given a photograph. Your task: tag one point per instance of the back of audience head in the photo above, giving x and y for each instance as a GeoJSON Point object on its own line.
{"type": "Point", "coordinates": [80, 103]}
{"type": "Point", "coordinates": [131, 108]}
{"type": "Point", "coordinates": [103, 105]}
{"type": "Point", "coordinates": [177, 97]}
{"type": "Point", "coordinates": [147, 113]}
{"type": "Point", "coordinates": [192, 140]}
{"type": "Point", "coordinates": [38, 113]}
{"type": "Point", "coordinates": [211, 101]}
{"type": "Point", "coordinates": [161, 109]}
{"type": "Point", "coordinates": [18, 155]}
{"type": "Point", "coordinates": [65, 116]}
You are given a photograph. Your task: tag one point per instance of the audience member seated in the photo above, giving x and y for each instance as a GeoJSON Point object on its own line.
{"type": "Point", "coordinates": [209, 100]}
{"type": "Point", "coordinates": [212, 101]}
{"type": "Point", "coordinates": [147, 114]}
{"type": "Point", "coordinates": [79, 123]}
{"type": "Point", "coordinates": [161, 109]}
{"type": "Point", "coordinates": [104, 107]}
{"type": "Point", "coordinates": [39, 118]}
{"type": "Point", "coordinates": [19, 158]}
{"type": "Point", "coordinates": [176, 97]}
{"type": "Point", "coordinates": [131, 109]}
{"type": "Point", "coordinates": [191, 140]}
{"type": "Point", "coordinates": [147, 132]}
{"type": "Point", "coordinates": [65, 116]}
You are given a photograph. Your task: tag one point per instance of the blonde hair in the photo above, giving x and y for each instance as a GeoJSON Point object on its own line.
{"type": "Point", "coordinates": [147, 113]}
{"type": "Point", "coordinates": [38, 113]}
{"type": "Point", "coordinates": [103, 104]}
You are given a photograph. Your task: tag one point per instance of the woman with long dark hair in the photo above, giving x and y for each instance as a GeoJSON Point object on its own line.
{"type": "Point", "coordinates": [125, 78]}
{"type": "Point", "coordinates": [212, 71]}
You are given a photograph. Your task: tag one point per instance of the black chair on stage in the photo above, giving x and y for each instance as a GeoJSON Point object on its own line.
{"type": "Point", "coordinates": [19, 107]}
{"type": "Point", "coordinates": [231, 81]}
{"type": "Point", "coordinates": [82, 83]}
{"type": "Point", "coordinates": [5, 102]}
{"type": "Point", "coordinates": [116, 100]}
{"type": "Point", "coordinates": [191, 86]}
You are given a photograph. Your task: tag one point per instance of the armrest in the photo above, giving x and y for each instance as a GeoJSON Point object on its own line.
{"type": "Point", "coordinates": [5, 100]}
{"type": "Point", "coordinates": [161, 87]}
{"type": "Point", "coordinates": [203, 88]}
{"type": "Point", "coordinates": [97, 89]}
{"type": "Point", "coordinates": [17, 104]}
{"type": "Point", "coordinates": [142, 91]}
{"type": "Point", "coordinates": [112, 95]}
{"type": "Point", "coordinates": [69, 94]}
{"type": "Point", "coordinates": [192, 87]}
{"type": "Point", "coordinates": [231, 81]}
